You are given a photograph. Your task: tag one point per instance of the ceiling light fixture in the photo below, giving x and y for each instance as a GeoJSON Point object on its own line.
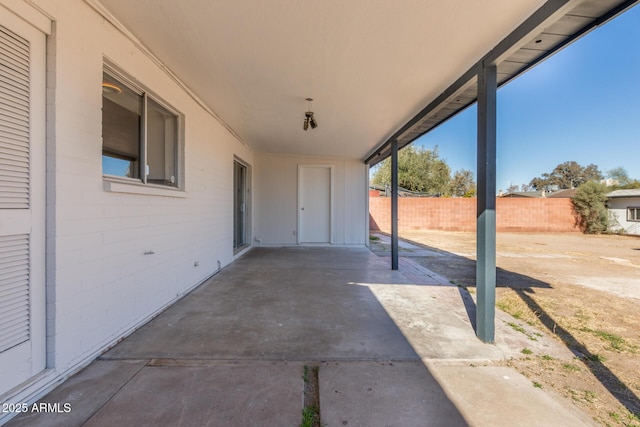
{"type": "Point", "coordinates": [308, 116]}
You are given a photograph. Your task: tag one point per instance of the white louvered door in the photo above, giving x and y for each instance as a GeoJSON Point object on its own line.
{"type": "Point", "coordinates": [22, 201]}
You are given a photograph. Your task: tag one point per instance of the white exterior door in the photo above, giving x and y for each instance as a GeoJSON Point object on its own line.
{"type": "Point", "coordinates": [22, 201]}
{"type": "Point", "coordinates": [314, 204]}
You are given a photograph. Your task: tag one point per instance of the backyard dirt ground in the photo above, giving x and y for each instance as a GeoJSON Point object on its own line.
{"type": "Point", "coordinates": [582, 289]}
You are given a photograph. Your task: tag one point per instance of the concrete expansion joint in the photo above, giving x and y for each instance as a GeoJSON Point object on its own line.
{"type": "Point", "coordinates": [254, 361]}
{"type": "Point", "coordinates": [457, 362]}
{"type": "Point", "coordinates": [118, 389]}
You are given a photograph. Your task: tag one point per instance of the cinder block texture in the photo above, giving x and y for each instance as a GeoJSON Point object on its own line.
{"type": "Point", "coordinates": [449, 214]}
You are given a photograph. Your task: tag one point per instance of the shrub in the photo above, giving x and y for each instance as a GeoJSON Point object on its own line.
{"type": "Point", "coordinates": [590, 204]}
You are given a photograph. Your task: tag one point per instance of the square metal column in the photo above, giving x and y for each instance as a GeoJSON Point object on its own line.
{"type": "Point", "coordinates": [486, 214]}
{"type": "Point", "coordinates": [394, 204]}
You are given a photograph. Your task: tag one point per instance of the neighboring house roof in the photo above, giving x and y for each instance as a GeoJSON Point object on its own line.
{"type": "Point", "coordinates": [527, 194]}
{"type": "Point", "coordinates": [403, 192]}
{"type": "Point", "coordinates": [569, 193]}
{"type": "Point", "coordinates": [634, 192]}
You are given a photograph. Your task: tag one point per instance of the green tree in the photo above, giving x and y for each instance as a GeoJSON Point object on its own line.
{"type": "Point", "coordinates": [463, 184]}
{"type": "Point", "coordinates": [590, 203]}
{"type": "Point", "coordinates": [513, 188]}
{"type": "Point", "coordinates": [623, 181]}
{"type": "Point", "coordinates": [567, 175]}
{"type": "Point", "coordinates": [419, 169]}
{"type": "Point", "coordinates": [634, 183]}
{"type": "Point", "coordinates": [619, 175]}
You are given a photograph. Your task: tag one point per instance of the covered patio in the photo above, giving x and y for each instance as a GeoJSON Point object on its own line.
{"type": "Point", "coordinates": [392, 347]}
{"type": "Point", "coordinates": [154, 147]}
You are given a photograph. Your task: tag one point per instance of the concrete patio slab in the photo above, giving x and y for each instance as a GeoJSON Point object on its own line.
{"type": "Point", "coordinates": [500, 396]}
{"type": "Point", "coordinates": [232, 352]}
{"type": "Point", "coordinates": [85, 393]}
{"type": "Point", "coordinates": [383, 394]}
{"type": "Point", "coordinates": [207, 395]}
{"type": "Point", "coordinates": [412, 394]}
{"type": "Point", "coordinates": [278, 309]}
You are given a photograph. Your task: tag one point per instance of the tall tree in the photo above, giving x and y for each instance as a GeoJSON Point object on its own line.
{"type": "Point", "coordinates": [419, 169]}
{"type": "Point", "coordinates": [513, 188]}
{"type": "Point", "coordinates": [567, 175]}
{"type": "Point", "coordinates": [619, 175]}
{"type": "Point", "coordinates": [463, 184]}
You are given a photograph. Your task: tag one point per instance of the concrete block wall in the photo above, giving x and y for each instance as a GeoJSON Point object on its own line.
{"type": "Point", "coordinates": [553, 215]}
{"type": "Point", "coordinates": [459, 214]}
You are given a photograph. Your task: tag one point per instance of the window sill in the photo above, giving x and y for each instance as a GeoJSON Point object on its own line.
{"type": "Point", "coordinates": [115, 185]}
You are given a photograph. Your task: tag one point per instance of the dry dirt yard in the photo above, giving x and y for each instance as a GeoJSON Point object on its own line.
{"type": "Point", "coordinates": [582, 289]}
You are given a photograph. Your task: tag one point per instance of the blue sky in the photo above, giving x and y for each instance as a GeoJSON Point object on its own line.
{"type": "Point", "coordinates": [581, 104]}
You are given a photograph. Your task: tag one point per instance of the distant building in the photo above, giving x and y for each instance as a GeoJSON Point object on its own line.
{"type": "Point", "coordinates": [624, 211]}
{"type": "Point", "coordinates": [556, 194]}
{"type": "Point", "coordinates": [609, 182]}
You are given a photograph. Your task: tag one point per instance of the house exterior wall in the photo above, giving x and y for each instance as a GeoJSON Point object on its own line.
{"type": "Point", "coordinates": [459, 214]}
{"type": "Point", "coordinates": [101, 278]}
{"type": "Point", "coordinates": [100, 283]}
{"type": "Point", "coordinates": [276, 189]}
{"type": "Point", "coordinates": [618, 214]}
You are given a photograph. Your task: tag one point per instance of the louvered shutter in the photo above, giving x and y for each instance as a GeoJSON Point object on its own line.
{"type": "Point", "coordinates": [14, 187]}
{"type": "Point", "coordinates": [14, 290]}
{"type": "Point", "coordinates": [14, 121]}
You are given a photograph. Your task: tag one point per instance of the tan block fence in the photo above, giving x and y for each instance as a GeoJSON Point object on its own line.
{"type": "Point", "coordinates": [459, 214]}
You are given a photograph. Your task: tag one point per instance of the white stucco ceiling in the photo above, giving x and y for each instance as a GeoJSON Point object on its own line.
{"type": "Point", "coordinates": [370, 65]}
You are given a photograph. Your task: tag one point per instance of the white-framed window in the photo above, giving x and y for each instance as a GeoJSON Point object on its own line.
{"type": "Point", "coordinates": [141, 134]}
{"type": "Point", "coordinates": [633, 214]}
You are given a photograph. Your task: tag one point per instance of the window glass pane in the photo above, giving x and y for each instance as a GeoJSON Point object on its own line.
{"type": "Point", "coordinates": [162, 129]}
{"type": "Point", "coordinates": [121, 129]}
{"type": "Point", "coordinates": [114, 166]}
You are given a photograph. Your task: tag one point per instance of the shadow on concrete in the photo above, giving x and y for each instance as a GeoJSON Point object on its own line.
{"type": "Point", "coordinates": [469, 306]}
{"type": "Point", "coordinates": [232, 352]}
{"type": "Point", "coordinates": [524, 287]}
{"type": "Point", "coordinates": [373, 225]}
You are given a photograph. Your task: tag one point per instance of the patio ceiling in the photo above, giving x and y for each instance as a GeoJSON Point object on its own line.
{"type": "Point", "coordinates": [554, 26]}
{"type": "Point", "coordinates": [370, 65]}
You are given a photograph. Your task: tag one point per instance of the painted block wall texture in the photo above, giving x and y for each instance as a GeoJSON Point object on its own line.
{"type": "Point", "coordinates": [618, 208]}
{"type": "Point", "coordinates": [276, 184]}
{"type": "Point", "coordinates": [449, 214]}
{"type": "Point", "coordinates": [100, 282]}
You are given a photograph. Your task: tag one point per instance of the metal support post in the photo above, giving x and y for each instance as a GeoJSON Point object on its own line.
{"type": "Point", "coordinates": [486, 213]}
{"type": "Point", "coordinates": [394, 204]}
